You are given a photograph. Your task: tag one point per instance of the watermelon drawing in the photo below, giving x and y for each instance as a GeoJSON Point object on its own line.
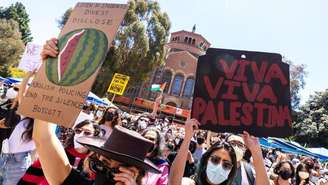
{"type": "Point", "coordinates": [82, 52]}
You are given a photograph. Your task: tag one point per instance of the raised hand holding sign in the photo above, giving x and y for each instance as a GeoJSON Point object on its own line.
{"type": "Point", "coordinates": [243, 90]}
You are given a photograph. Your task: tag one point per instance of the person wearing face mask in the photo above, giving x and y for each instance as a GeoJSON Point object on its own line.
{"type": "Point", "coordinates": [244, 174]}
{"type": "Point", "coordinates": [116, 160]}
{"type": "Point", "coordinates": [142, 123]}
{"type": "Point", "coordinates": [110, 119]}
{"type": "Point", "coordinates": [75, 152]}
{"type": "Point", "coordinates": [200, 149]}
{"type": "Point", "coordinates": [315, 175]}
{"type": "Point", "coordinates": [5, 107]}
{"type": "Point", "coordinates": [285, 171]}
{"type": "Point", "coordinates": [302, 175]}
{"type": "Point", "coordinates": [155, 156]}
{"type": "Point", "coordinates": [218, 165]}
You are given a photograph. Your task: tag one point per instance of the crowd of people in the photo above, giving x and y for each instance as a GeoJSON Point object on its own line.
{"type": "Point", "coordinates": [109, 146]}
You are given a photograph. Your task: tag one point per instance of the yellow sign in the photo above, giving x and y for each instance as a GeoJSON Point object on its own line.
{"type": "Point", "coordinates": [118, 84]}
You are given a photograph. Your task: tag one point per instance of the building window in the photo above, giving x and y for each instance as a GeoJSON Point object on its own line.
{"type": "Point", "coordinates": [186, 39]}
{"type": "Point", "coordinates": [178, 38]}
{"type": "Point", "coordinates": [193, 41]}
{"type": "Point", "coordinates": [189, 87]}
{"type": "Point", "coordinates": [177, 85]}
{"type": "Point", "coordinates": [189, 40]}
{"type": "Point", "coordinates": [167, 77]}
{"type": "Point", "coordinates": [157, 76]}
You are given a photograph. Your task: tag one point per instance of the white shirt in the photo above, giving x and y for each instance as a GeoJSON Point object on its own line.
{"type": "Point", "coordinates": [15, 144]}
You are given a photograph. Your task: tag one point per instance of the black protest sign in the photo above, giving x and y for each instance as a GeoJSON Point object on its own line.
{"type": "Point", "coordinates": [238, 91]}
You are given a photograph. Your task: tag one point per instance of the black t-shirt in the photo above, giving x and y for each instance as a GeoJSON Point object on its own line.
{"type": "Point", "coordinates": [75, 178]}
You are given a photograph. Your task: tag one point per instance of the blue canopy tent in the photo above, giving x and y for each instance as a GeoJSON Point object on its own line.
{"type": "Point", "coordinates": [269, 143]}
{"type": "Point", "coordinates": [92, 98]}
{"type": "Point", "coordinates": [11, 81]}
{"type": "Point", "coordinates": [300, 150]}
{"type": "Point", "coordinates": [320, 151]}
{"type": "Point", "coordinates": [289, 147]}
{"type": "Point", "coordinates": [323, 152]}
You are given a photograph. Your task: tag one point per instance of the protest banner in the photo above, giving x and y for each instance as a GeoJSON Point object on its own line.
{"type": "Point", "coordinates": [31, 59]}
{"type": "Point", "coordinates": [238, 91]}
{"type": "Point", "coordinates": [62, 84]}
{"type": "Point", "coordinates": [118, 84]}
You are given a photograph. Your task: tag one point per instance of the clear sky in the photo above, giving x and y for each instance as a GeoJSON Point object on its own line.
{"type": "Point", "coordinates": [297, 29]}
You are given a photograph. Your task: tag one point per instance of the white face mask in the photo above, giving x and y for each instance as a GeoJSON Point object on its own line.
{"type": "Point", "coordinates": [314, 179]}
{"type": "Point", "coordinates": [239, 153]}
{"type": "Point", "coordinates": [303, 175]}
{"type": "Point", "coordinates": [77, 146]}
{"type": "Point", "coordinates": [11, 93]}
{"type": "Point", "coordinates": [142, 124]}
{"type": "Point", "coordinates": [215, 173]}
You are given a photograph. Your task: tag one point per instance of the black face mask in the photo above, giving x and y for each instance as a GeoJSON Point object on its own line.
{"type": "Point", "coordinates": [109, 116]}
{"type": "Point", "coordinates": [104, 179]}
{"type": "Point", "coordinates": [285, 174]}
{"type": "Point", "coordinates": [200, 140]}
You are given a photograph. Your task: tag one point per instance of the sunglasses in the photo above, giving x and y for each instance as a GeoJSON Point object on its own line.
{"type": "Point", "coordinates": [85, 132]}
{"type": "Point", "coordinates": [150, 138]}
{"type": "Point", "coordinates": [99, 167]}
{"type": "Point", "coordinates": [238, 144]}
{"type": "Point", "coordinates": [217, 160]}
{"type": "Point", "coordinates": [144, 119]}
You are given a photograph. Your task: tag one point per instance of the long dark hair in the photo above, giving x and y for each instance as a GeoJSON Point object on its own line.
{"type": "Point", "coordinates": [27, 134]}
{"type": "Point", "coordinates": [299, 168]}
{"type": "Point", "coordinates": [157, 152]}
{"type": "Point", "coordinates": [201, 176]}
{"type": "Point", "coordinates": [70, 140]}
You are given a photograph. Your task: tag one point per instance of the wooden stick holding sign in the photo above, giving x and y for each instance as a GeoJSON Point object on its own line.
{"type": "Point", "coordinates": [63, 82]}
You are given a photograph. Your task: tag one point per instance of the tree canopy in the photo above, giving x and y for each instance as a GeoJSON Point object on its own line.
{"type": "Point", "coordinates": [311, 122]}
{"type": "Point", "coordinates": [18, 13]}
{"type": "Point", "coordinates": [11, 45]}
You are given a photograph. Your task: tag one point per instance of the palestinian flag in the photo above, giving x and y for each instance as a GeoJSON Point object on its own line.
{"type": "Point", "coordinates": [157, 87]}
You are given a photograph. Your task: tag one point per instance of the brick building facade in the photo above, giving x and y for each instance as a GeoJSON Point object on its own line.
{"type": "Point", "coordinates": [178, 71]}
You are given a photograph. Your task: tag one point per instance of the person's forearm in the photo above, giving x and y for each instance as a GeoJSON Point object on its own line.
{"type": "Point", "coordinates": [261, 175]}
{"type": "Point", "coordinates": [23, 87]}
{"type": "Point", "coordinates": [51, 153]}
{"type": "Point", "coordinates": [179, 163]}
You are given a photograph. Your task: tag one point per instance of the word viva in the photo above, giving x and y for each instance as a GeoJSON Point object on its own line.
{"type": "Point", "coordinates": [243, 95]}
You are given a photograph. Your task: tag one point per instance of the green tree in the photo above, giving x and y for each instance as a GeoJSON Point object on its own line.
{"type": "Point", "coordinates": [311, 123]}
{"type": "Point", "coordinates": [18, 13]}
{"type": "Point", "coordinates": [139, 44]}
{"type": "Point", "coordinates": [4, 71]}
{"type": "Point", "coordinates": [297, 74]}
{"type": "Point", "coordinates": [11, 45]}
{"type": "Point", "coordinates": [62, 21]}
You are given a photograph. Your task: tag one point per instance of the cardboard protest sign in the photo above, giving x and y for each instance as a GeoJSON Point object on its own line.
{"type": "Point", "coordinates": [62, 84]}
{"type": "Point", "coordinates": [31, 58]}
{"type": "Point", "coordinates": [118, 84]}
{"type": "Point", "coordinates": [243, 90]}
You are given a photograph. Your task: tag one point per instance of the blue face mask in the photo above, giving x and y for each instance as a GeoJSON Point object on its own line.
{"type": "Point", "coordinates": [216, 174]}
